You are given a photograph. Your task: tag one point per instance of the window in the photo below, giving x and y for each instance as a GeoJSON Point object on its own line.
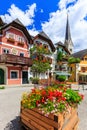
{"type": "Point", "coordinates": [14, 74]}
{"type": "Point", "coordinates": [5, 51]}
{"type": "Point", "coordinates": [83, 69]}
{"type": "Point", "coordinates": [62, 49]}
{"type": "Point", "coordinates": [45, 46]}
{"type": "Point", "coordinates": [22, 54]}
{"type": "Point", "coordinates": [20, 39]}
{"type": "Point", "coordinates": [71, 69]}
{"type": "Point", "coordinates": [71, 50]}
{"type": "Point", "coordinates": [10, 35]}
{"type": "Point", "coordinates": [55, 66]}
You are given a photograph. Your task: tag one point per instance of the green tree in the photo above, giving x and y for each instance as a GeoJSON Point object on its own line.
{"type": "Point", "coordinates": [72, 60]}
{"type": "Point", "coordinates": [39, 55]}
{"type": "Point", "coordinates": [59, 56]}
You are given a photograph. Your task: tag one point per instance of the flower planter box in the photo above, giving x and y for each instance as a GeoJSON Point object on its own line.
{"type": "Point", "coordinates": [12, 40]}
{"type": "Point", "coordinates": [33, 119]}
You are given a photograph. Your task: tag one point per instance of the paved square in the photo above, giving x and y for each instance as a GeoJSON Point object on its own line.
{"type": "Point", "coordinates": [10, 108]}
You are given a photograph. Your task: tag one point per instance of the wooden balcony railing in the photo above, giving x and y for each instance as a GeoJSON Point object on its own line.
{"type": "Point", "coordinates": [15, 60]}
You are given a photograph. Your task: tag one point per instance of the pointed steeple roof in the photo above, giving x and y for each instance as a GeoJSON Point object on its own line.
{"type": "Point", "coordinates": [68, 40]}
{"type": "Point", "coordinates": [68, 34]}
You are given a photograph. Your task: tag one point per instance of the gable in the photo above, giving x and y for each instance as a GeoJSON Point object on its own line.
{"type": "Point", "coordinates": [15, 34]}
{"type": "Point", "coordinates": [44, 40]}
{"type": "Point", "coordinates": [17, 25]}
{"type": "Point", "coordinates": [63, 49]}
{"type": "Point", "coordinates": [39, 41]}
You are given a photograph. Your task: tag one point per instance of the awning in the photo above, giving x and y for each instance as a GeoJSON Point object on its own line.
{"type": "Point", "coordinates": [62, 73]}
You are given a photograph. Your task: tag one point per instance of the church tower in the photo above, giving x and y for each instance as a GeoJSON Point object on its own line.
{"type": "Point", "coordinates": [68, 41]}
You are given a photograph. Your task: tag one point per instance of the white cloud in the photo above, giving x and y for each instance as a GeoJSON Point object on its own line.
{"type": "Point", "coordinates": [55, 26]}
{"type": "Point", "coordinates": [26, 17]}
{"type": "Point", "coordinates": [63, 3]}
{"type": "Point", "coordinates": [41, 11]}
{"type": "Point", "coordinates": [33, 32]}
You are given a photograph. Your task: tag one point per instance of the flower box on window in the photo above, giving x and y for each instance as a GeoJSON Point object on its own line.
{"type": "Point", "coordinates": [21, 43]}
{"type": "Point", "coordinates": [10, 40]}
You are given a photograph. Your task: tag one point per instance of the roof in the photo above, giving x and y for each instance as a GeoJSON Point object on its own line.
{"type": "Point", "coordinates": [68, 39]}
{"type": "Point", "coordinates": [32, 37]}
{"type": "Point", "coordinates": [44, 36]}
{"type": "Point", "coordinates": [1, 22]}
{"type": "Point", "coordinates": [17, 24]}
{"type": "Point", "coordinates": [62, 45]}
{"type": "Point", "coordinates": [68, 34]}
{"type": "Point", "coordinates": [59, 43]}
{"type": "Point", "coordinates": [80, 54]}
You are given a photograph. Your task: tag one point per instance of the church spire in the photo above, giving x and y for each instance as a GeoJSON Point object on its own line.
{"type": "Point", "coordinates": [68, 41]}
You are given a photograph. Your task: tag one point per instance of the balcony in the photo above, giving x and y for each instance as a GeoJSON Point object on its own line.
{"type": "Point", "coordinates": [62, 73]}
{"type": "Point", "coordinates": [15, 60]}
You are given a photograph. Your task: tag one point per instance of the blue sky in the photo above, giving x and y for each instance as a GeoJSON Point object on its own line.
{"type": "Point", "coordinates": [50, 16]}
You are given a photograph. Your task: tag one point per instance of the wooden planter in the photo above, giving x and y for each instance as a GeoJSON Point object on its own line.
{"type": "Point", "coordinates": [33, 119]}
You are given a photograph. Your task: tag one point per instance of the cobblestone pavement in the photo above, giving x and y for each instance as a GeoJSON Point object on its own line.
{"type": "Point", "coordinates": [10, 108]}
{"type": "Point", "coordinates": [82, 112]}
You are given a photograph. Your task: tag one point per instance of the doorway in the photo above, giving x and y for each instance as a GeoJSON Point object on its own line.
{"type": "Point", "coordinates": [24, 77]}
{"type": "Point", "coordinates": [1, 76]}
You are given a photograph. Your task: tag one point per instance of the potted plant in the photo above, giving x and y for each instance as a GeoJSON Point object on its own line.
{"type": "Point", "coordinates": [61, 78]}
{"type": "Point", "coordinates": [50, 108]}
{"type": "Point", "coordinates": [35, 80]}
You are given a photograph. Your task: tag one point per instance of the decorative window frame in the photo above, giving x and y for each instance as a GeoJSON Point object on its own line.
{"type": "Point", "coordinates": [20, 40]}
{"type": "Point", "coordinates": [6, 50]}
{"type": "Point", "coordinates": [10, 36]}
{"type": "Point", "coordinates": [17, 74]}
{"type": "Point", "coordinates": [21, 53]}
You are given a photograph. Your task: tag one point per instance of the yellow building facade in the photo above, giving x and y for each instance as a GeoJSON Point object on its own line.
{"type": "Point", "coordinates": [79, 70]}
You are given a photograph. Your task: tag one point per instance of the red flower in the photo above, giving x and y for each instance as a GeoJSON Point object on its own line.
{"type": "Point", "coordinates": [50, 93]}
{"type": "Point", "coordinates": [42, 100]}
{"type": "Point", "coordinates": [37, 102]}
{"type": "Point", "coordinates": [63, 98]}
{"type": "Point", "coordinates": [33, 90]}
{"type": "Point", "coordinates": [57, 94]}
{"type": "Point", "coordinates": [43, 92]}
{"type": "Point", "coordinates": [82, 96]}
{"type": "Point", "coordinates": [50, 98]}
